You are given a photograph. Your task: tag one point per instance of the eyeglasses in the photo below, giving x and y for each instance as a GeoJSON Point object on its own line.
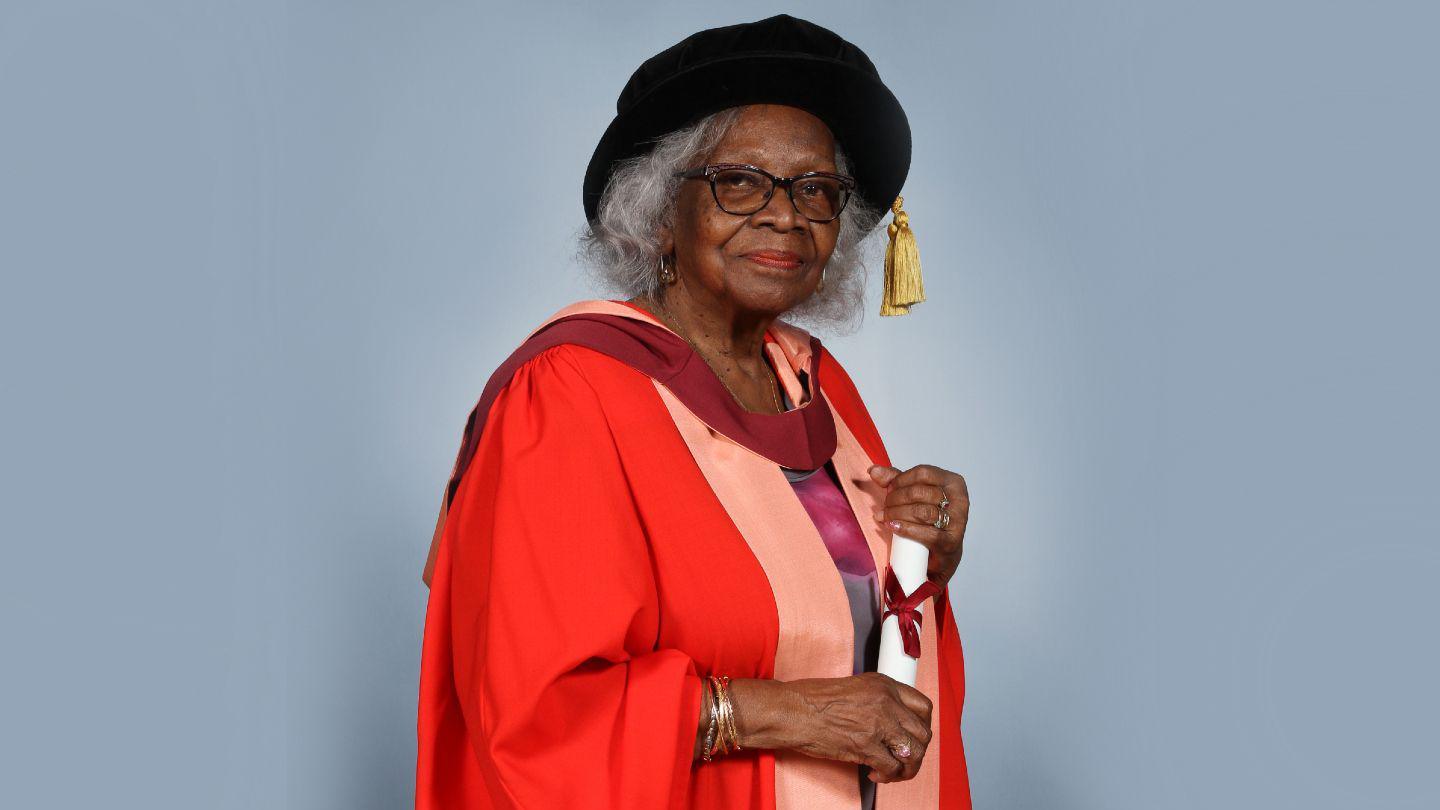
{"type": "Point", "coordinates": [742, 190]}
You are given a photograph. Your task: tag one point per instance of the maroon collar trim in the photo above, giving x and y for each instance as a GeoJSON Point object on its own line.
{"type": "Point", "coordinates": [800, 438]}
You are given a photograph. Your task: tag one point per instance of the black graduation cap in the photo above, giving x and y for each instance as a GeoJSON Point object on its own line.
{"type": "Point", "coordinates": [778, 60]}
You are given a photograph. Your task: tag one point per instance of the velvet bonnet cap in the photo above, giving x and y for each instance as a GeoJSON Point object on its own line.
{"type": "Point", "coordinates": [778, 60]}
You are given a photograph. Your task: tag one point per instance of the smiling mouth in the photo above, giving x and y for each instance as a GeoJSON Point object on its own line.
{"type": "Point", "coordinates": [775, 260]}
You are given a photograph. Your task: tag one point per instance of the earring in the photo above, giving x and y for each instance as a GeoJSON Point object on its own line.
{"type": "Point", "coordinates": [667, 270]}
{"type": "Point", "coordinates": [821, 286]}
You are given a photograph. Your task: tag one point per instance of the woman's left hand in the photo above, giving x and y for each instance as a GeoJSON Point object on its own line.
{"type": "Point", "coordinates": [912, 509]}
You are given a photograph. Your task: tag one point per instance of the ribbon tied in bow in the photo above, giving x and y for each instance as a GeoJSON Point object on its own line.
{"type": "Point", "coordinates": [907, 609]}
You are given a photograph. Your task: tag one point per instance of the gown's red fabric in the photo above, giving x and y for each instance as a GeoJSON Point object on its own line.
{"type": "Point", "coordinates": [604, 548]}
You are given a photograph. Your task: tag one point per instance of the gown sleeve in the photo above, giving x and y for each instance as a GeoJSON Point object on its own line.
{"type": "Point", "coordinates": [954, 773]}
{"type": "Point", "coordinates": [555, 616]}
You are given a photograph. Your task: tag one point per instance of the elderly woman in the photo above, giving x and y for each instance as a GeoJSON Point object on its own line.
{"type": "Point", "coordinates": [654, 577]}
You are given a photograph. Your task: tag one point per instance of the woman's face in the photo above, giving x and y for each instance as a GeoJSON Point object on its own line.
{"type": "Point", "coordinates": [769, 261]}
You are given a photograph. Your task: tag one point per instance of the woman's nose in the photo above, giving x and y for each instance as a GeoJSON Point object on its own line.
{"type": "Point", "coordinates": [779, 212]}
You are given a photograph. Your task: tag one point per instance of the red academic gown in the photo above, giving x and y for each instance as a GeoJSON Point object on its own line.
{"type": "Point", "coordinates": [615, 529]}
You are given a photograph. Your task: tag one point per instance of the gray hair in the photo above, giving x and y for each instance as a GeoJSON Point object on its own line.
{"type": "Point", "coordinates": [621, 245]}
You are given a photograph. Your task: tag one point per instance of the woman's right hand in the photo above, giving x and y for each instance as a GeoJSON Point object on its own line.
{"type": "Point", "coordinates": [857, 719]}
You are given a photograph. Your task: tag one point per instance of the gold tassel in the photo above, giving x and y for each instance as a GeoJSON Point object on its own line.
{"type": "Point", "coordinates": [903, 285]}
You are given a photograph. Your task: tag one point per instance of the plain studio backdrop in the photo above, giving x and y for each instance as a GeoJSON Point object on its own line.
{"type": "Point", "coordinates": [260, 258]}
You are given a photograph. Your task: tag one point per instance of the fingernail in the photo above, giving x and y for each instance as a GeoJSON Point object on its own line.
{"type": "Point", "coordinates": [877, 515]}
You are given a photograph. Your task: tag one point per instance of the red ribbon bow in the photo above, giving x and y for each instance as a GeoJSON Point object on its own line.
{"type": "Point", "coordinates": [906, 609]}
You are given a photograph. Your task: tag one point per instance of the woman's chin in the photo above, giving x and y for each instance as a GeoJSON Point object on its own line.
{"type": "Point", "coordinates": [770, 290]}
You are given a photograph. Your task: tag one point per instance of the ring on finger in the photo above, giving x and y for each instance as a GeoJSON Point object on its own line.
{"type": "Point", "coordinates": [900, 749]}
{"type": "Point", "coordinates": [944, 519]}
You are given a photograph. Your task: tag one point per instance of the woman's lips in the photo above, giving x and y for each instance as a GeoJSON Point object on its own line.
{"type": "Point", "coordinates": [780, 259]}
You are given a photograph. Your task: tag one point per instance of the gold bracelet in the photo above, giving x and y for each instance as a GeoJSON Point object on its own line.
{"type": "Point", "coordinates": [730, 715]}
{"type": "Point", "coordinates": [728, 739]}
{"type": "Point", "coordinates": [719, 709]}
{"type": "Point", "coordinates": [724, 702]}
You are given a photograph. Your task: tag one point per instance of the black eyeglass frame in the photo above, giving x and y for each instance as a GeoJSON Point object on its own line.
{"type": "Point", "coordinates": [709, 172]}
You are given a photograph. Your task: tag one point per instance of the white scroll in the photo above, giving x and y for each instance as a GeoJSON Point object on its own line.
{"type": "Point", "coordinates": [910, 561]}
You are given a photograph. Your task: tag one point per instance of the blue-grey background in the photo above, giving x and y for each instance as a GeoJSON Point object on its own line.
{"type": "Point", "coordinates": [260, 257]}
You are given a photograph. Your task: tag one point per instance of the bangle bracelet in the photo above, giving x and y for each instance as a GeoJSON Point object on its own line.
{"type": "Point", "coordinates": [722, 735]}
{"type": "Point", "coordinates": [720, 742]}
{"type": "Point", "coordinates": [717, 690]}
{"type": "Point", "coordinates": [728, 739]}
{"type": "Point", "coordinates": [730, 716]}
{"type": "Point", "coordinates": [708, 695]}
